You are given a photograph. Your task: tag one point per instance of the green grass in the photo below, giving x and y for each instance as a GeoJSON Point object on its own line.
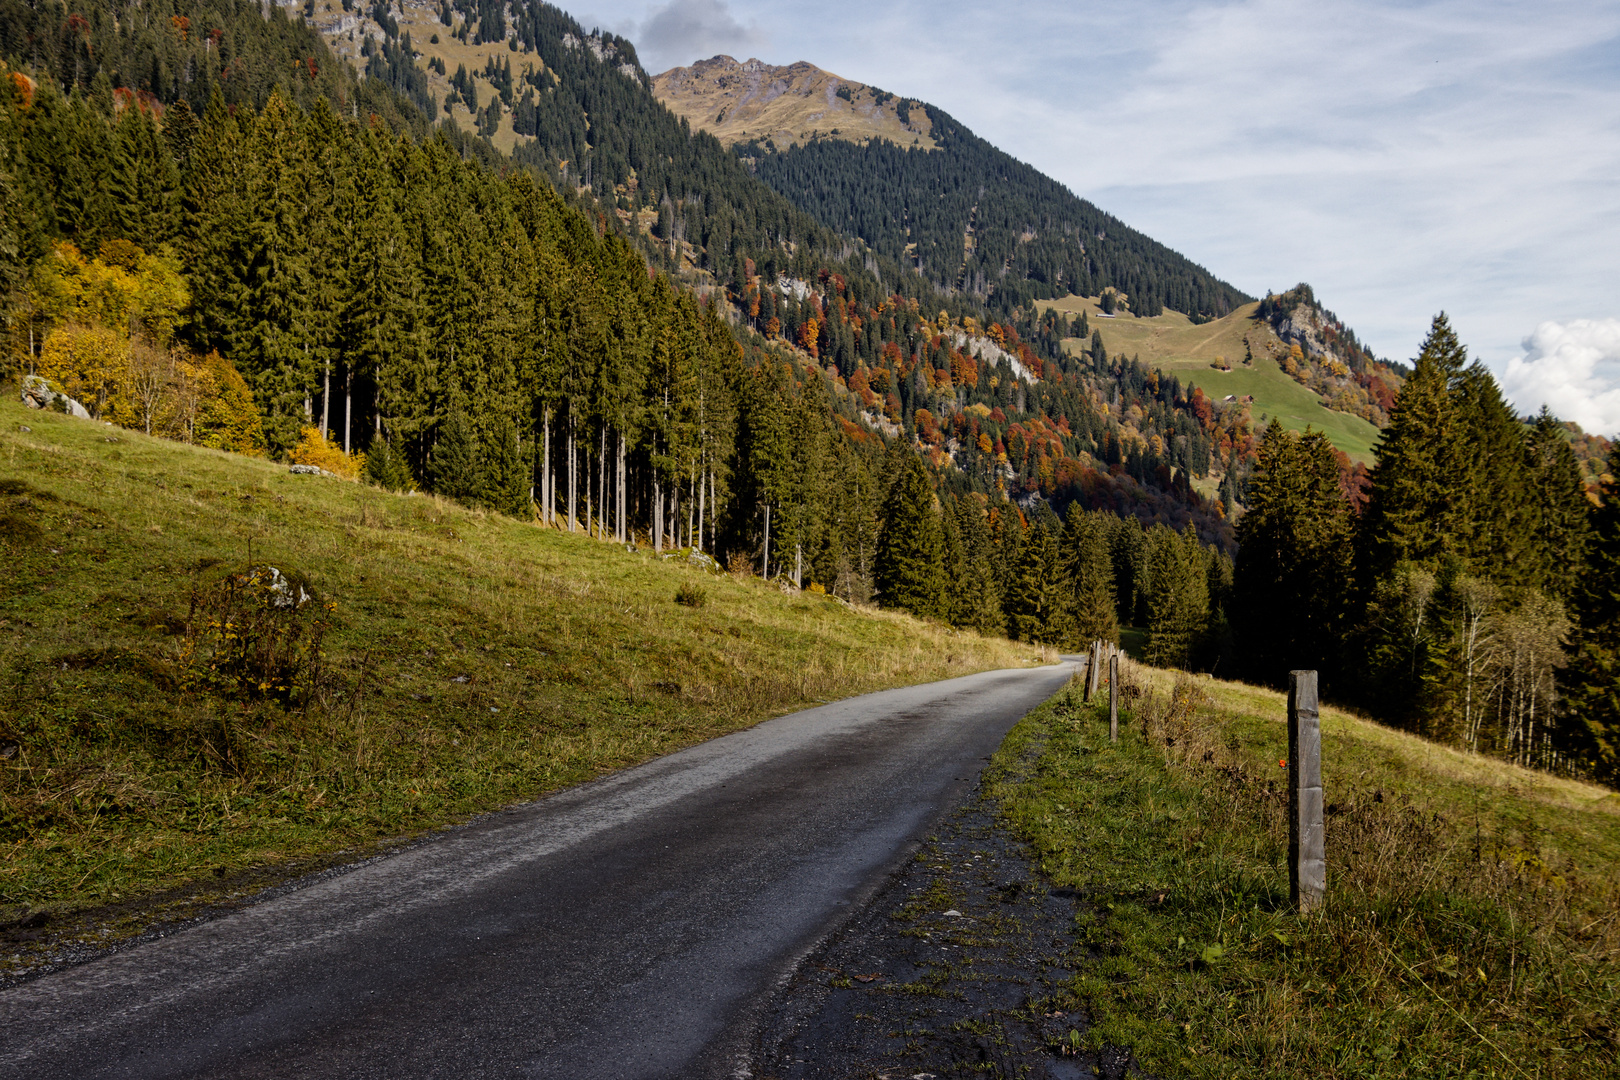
{"type": "Point", "coordinates": [468, 661]}
{"type": "Point", "coordinates": [1472, 924]}
{"type": "Point", "coordinates": [1174, 343]}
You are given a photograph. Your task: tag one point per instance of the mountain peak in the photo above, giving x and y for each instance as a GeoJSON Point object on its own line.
{"type": "Point", "coordinates": [752, 100]}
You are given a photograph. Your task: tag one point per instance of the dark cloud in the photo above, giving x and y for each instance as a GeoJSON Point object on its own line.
{"type": "Point", "coordinates": [686, 30]}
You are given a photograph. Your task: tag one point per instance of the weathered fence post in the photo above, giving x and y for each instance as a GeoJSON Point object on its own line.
{"type": "Point", "coordinates": [1307, 863]}
{"type": "Point", "coordinates": [1113, 696]}
{"type": "Point", "coordinates": [1093, 661]}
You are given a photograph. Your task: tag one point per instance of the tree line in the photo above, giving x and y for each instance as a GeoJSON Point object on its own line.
{"type": "Point", "coordinates": [1473, 599]}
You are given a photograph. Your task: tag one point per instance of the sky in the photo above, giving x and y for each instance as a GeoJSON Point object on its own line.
{"type": "Point", "coordinates": [1402, 158]}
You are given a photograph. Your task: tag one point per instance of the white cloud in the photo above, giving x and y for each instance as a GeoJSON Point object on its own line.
{"type": "Point", "coordinates": [685, 30]}
{"type": "Point", "coordinates": [1572, 368]}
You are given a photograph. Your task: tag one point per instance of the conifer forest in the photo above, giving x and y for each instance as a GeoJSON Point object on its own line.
{"type": "Point", "coordinates": [216, 231]}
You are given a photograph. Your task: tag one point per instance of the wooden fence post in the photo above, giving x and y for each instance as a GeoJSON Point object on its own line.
{"type": "Point", "coordinates": [1113, 696]}
{"type": "Point", "coordinates": [1307, 862]}
{"type": "Point", "coordinates": [1092, 662]}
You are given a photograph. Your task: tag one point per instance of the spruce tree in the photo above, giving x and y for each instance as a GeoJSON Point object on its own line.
{"type": "Point", "coordinates": [1592, 723]}
{"type": "Point", "coordinates": [385, 467]}
{"type": "Point", "coordinates": [1414, 512]}
{"type": "Point", "coordinates": [1090, 573]}
{"type": "Point", "coordinates": [911, 548]}
{"type": "Point", "coordinates": [1561, 521]}
{"type": "Point", "coordinates": [1178, 600]}
{"type": "Point", "coordinates": [455, 467]}
{"type": "Point", "coordinates": [975, 598]}
{"type": "Point", "coordinates": [1495, 528]}
{"type": "Point", "coordinates": [1294, 559]}
{"type": "Point", "coordinates": [504, 476]}
{"type": "Point", "coordinates": [1039, 605]}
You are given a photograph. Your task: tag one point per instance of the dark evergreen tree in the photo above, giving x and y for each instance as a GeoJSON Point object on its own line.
{"type": "Point", "coordinates": [1591, 728]}
{"type": "Point", "coordinates": [456, 471]}
{"type": "Point", "coordinates": [911, 549]}
{"type": "Point", "coordinates": [1561, 526]}
{"type": "Point", "coordinates": [1178, 599]}
{"type": "Point", "coordinates": [1294, 560]}
{"type": "Point", "coordinates": [1417, 504]}
{"type": "Point", "coordinates": [385, 467]}
{"type": "Point", "coordinates": [1039, 604]}
{"type": "Point", "coordinates": [1090, 572]}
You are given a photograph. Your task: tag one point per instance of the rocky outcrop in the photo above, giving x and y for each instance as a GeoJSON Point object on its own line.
{"type": "Point", "coordinates": [40, 393]}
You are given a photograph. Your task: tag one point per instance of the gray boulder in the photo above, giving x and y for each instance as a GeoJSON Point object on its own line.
{"type": "Point", "coordinates": [39, 392]}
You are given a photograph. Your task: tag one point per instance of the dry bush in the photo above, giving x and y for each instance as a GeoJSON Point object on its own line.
{"type": "Point", "coordinates": [253, 633]}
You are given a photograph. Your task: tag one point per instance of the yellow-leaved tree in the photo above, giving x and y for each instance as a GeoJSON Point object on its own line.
{"type": "Point", "coordinates": [110, 325]}
{"type": "Point", "coordinates": [113, 320]}
{"type": "Point", "coordinates": [90, 363]}
{"type": "Point", "coordinates": [224, 415]}
{"type": "Point", "coordinates": [315, 449]}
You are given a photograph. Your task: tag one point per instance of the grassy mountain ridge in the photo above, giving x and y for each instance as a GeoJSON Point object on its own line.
{"type": "Point", "coordinates": [1230, 357]}
{"type": "Point", "coordinates": [751, 101]}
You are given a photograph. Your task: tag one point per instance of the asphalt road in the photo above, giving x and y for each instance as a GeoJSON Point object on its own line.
{"type": "Point", "coordinates": [633, 927]}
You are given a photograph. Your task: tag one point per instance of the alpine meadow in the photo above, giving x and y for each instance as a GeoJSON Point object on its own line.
{"type": "Point", "coordinates": [417, 409]}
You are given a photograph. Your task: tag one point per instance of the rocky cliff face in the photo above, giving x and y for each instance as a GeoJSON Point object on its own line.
{"type": "Point", "coordinates": [752, 100]}
{"type": "Point", "coordinates": [1329, 359]}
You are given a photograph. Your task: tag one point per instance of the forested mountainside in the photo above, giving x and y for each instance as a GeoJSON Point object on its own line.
{"type": "Point", "coordinates": [304, 283]}
{"type": "Point", "coordinates": [962, 214]}
{"type": "Point", "coordinates": [285, 272]}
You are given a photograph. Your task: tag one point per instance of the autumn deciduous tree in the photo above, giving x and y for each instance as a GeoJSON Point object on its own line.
{"type": "Point", "coordinates": [90, 363]}
{"type": "Point", "coordinates": [315, 449]}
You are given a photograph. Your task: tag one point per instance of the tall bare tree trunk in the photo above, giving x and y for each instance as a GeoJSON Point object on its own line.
{"type": "Point", "coordinates": [326, 401]}
{"type": "Point", "coordinates": [348, 404]}
{"type": "Point", "coordinates": [658, 516]}
{"type": "Point", "coordinates": [701, 503]}
{"type": "Point", "coordinates": [767, 560]}
{"type": "Point", "coordinates": [545, 469]}
{"type": "Point", "coordinates": [601, 489]}
{"type": "Point", "coordinates": [573, 476]}
{"type": "Point", "coordinates": [621, 485]}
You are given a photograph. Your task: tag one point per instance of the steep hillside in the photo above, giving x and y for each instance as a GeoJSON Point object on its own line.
{"type": "Point", "coordinates": [783, 106]}
{"type": "Point", "coordinates": [1234, 357]}
{"type": "Point", "coordinates": [959, 212]}
{"type": "Point", "coordinates": [166, 724]}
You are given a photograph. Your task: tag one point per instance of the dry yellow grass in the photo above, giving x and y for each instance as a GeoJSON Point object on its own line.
{"type": "Point", "coordinates": [789, 105]}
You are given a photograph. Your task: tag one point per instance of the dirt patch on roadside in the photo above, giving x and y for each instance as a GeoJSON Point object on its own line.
{"type": "Point", "coordinates": [956, 969]}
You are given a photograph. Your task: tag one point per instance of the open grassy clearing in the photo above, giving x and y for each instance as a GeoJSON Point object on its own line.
{"type": "Point", "coordinates": [1174, 343]}
{"type": "Point", "coordinates": [468, 661]}
{"type": "Point", "coordinates": [1473, 920]}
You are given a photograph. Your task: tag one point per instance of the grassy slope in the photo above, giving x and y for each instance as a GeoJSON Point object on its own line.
{"type": "Point", "coordinates": [576, 661]}
{"type": "Point", "coordinates": [798, 114]}
{"type": "Point", "coordinates": [1473, 918]}
{"type": "Point", "coordinates": [1173, 342]}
